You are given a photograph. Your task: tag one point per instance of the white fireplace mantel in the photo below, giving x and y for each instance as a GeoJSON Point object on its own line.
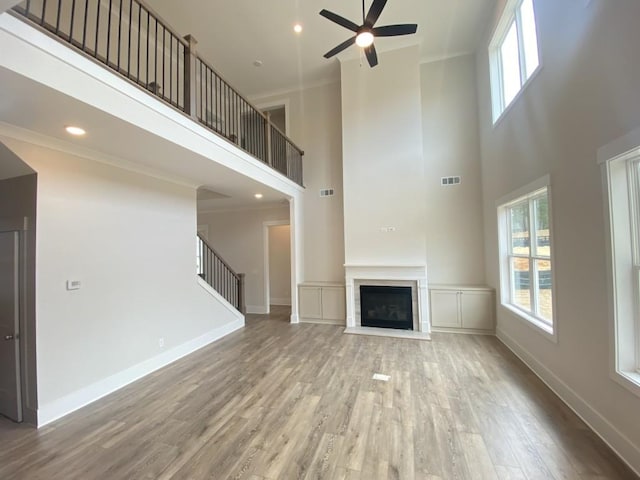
{"type": "Point", "coordinates": [375, 274]}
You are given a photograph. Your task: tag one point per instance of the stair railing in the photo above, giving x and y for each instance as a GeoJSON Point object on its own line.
{"type": "Point", "coordinates": [219, 275]}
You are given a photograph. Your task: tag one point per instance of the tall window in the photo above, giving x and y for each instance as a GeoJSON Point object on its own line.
{"type": "Point", "coordinates": [513, 53]}
{"type": "Point", "coordinates": [525, 249]}
{"type": "Point", "coordinates": [623, 188]}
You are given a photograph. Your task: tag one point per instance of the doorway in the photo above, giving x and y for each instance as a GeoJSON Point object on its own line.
{"type": "Point", "coordinates": [11, 274]}
{"type": "Point", "coordinates": [18, 359]}
{"type": "Point", "coordinates": [277, 264]}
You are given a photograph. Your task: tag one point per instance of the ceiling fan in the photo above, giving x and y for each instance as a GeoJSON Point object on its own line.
{"type": "Point", "coordinates": [365, 33]}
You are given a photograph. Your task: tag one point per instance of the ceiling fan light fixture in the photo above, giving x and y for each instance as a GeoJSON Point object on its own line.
{"type": "Point", "coordinates": [364, 39]}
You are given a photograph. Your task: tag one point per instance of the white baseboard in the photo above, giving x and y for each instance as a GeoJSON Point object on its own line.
{"type": "Point", "coordinates": [281, 301]}
{"type": "Point", "coordinates": [80, 398]}
{"type": "Point", "coordinates": [628, 452]}
{"type": "Point", "coordinates": [295, 318]}
{"type": "Point", "coordinates": [257, 309]}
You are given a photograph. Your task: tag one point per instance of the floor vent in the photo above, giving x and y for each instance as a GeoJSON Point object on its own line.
{"type": "Point", "coordinates": [326, 192]}
{"type": "Point", "coordinates": [448, 181]}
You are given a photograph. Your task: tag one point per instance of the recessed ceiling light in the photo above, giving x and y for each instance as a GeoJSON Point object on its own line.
{"type": "Point", "coordinates": [297, 28]}
{"type": "Point", "coordinates": [77, 131]}
{"type": "Point", "coordinates": [258, 196]}
{"type": "Point", "coordinates": [257, 63]}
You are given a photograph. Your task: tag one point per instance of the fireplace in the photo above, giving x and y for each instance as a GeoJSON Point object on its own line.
{"type": "Point", "coordinates": [411, 277]}
{"type": "Point", "coordinates": [386, 307]}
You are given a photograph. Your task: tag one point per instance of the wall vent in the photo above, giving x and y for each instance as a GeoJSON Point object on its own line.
{"type": "Point", "coordinates": [448, 181]}
{"type": "Point", "coordinates": [326, 192]}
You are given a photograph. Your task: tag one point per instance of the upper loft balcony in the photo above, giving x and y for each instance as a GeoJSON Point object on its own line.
{"type": "Point", "coordinates": [131, 40]}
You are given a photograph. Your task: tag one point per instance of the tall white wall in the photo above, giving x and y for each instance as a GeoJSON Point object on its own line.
{"type": "Point", "coordinates": [315, 121]}
{"type": "Point", "coordinates": [238, 236]}
{"type": "Point", "coordinates": [383, 167]}
{"type": "Point", "coordinates": [584, 97]}
{"type": "Point", "coordinates": [130, 240]}
{"type": "Point", "coordinates": [455, 230]}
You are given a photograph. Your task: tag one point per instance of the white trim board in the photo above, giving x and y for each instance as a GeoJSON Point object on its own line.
{"type": "Point", "coordinates": [621, 445]}
{"type": "Point", "coordinates": [80, 398]}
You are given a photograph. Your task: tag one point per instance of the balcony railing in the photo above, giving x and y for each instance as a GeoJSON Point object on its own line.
{"type": "Point", "coordinates": [129, 38]}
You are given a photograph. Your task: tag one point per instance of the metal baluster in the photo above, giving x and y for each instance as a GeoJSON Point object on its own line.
{"type": "Point", "coordinates": [208, 94]}
{"type": "Point", "coordinates": [164, 54]}
{"type": "Point", "coordinates": [44, 11]}
{"type": "Point", "coordinates": [129, 39]}
{"type": "Point", "coordinates": [155, 60]}
{"type": "Point", "coordinates": [138, 45]}
{"type": "Point", "coordinates": [109, 31]}
{"type": "Point", "coordinates": [84, 25]}
{"type": "Point", "coordinates": [58, 16]}
{"type": "Point", "coordinates": [95, 52]}
{"type": "Point", "coordinates": [147, 50]}
{"type": "Point", "coordinates": [73, 13]}
{"type": "Point", "coordinates": [171, 67]}
{"type": "Point", "coordinates": [119, 33]}
{"type": "Point", "coordinates": [28, 8]}
{"type": "Point", "coordinates": [216, 92]}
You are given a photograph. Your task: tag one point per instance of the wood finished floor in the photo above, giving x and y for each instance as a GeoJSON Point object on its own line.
{"type": "Point", "coordinates": [280, 401]}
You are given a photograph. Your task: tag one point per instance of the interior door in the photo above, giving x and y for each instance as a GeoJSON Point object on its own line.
{"type": "Point", "coordinates": [10, 392]}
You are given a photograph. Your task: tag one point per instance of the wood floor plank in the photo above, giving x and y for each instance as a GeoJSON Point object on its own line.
{"type": "Point", "coordinates": [278, 401]}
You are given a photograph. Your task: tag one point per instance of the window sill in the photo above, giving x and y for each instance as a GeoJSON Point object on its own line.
{"type": "Point", "coordinates": [629, 380]}
{"type": "Point", "coordinates": [532, 322]}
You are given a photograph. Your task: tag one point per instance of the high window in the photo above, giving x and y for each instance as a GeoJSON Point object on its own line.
{"type": "Point", "coordinates": [622, 175]}
{"type": "Point", "coordinates": [513, 53]}
{"type": "Point", "coordinates": [526, 278]}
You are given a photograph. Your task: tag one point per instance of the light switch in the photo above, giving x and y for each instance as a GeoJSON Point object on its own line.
{"type": "Point", "coordinates": [73, 284]}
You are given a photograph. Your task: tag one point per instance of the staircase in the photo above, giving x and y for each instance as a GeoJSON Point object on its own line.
{"type": "Point", "coordinates": [220, 276]}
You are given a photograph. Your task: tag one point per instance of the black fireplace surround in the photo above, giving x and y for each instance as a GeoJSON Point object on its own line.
{"type": "Point", "coordinates": [386, 307]}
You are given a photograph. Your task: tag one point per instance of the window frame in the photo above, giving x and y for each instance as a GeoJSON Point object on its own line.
{"type": "Point", "coordinates": [529, 193]}
{"type": "Point", "coordinates": [621, 172]}
{"type": "Point", "coordinates": [512, 14]}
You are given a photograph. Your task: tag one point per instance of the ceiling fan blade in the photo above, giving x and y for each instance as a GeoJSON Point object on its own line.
{"type": "Point", "coordinates": [341, 47]}
{"type": "Point", "coordinates": [395, 30]}
{"type": "Point", "coordinates": [371, 54]}
{"type": "Point", "coordinates": [343, 22]}
{"type": "Point", "coordinates": [374, 12]}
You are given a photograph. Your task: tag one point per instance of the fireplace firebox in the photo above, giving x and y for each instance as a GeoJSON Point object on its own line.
{"type": "Point", "coordinates": [386, 307]}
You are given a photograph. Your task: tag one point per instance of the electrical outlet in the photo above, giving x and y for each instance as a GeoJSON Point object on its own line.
{"type": "Point", "coordinates": [74, 284]}
{"type": "Point", "coordinates": [161, 342]}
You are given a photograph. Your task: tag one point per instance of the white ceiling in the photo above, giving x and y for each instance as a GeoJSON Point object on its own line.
{"type": "Point", "coordinates": [233, 34]}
